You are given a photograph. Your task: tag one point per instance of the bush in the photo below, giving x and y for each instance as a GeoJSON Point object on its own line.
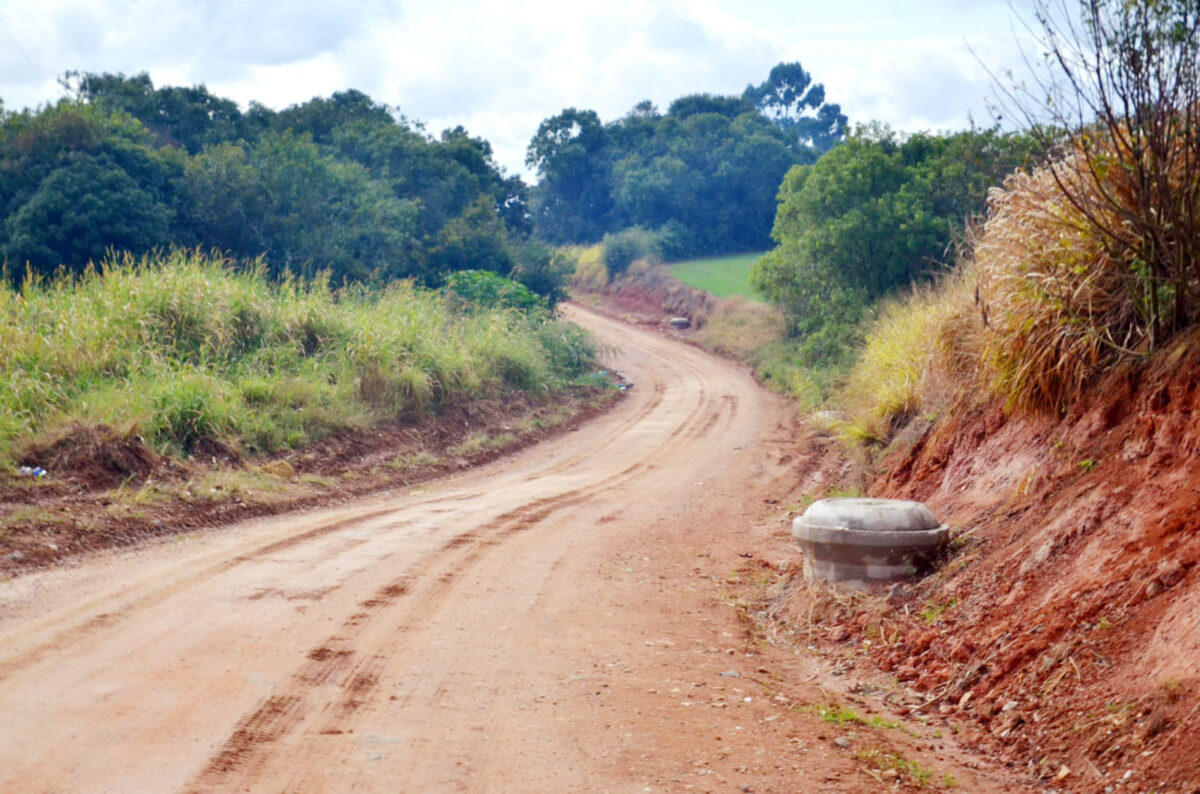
{"type": "Point", "coordinates": [622, 248]}
{"type": "Point", "coordinates": [590, 272]}
{"type": "Point", "coordinates": [542, 269]}
{"type": "Point", "coordinates": [483, 289]}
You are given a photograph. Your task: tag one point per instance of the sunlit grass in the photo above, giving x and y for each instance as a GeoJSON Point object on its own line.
{"type": "Point", "coordinates": [722, 276]}
{"type": "Point", "coordinates": [184, 348]}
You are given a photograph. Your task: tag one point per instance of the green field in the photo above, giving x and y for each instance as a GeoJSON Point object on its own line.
{"type": "Point", "coordinates": [722, 276]}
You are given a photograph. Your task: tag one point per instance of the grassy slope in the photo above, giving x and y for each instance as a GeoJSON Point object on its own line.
{"type": "Point", "coordinates": [183, 350]}
{"type": "Point", "coordinates": [722, 276]}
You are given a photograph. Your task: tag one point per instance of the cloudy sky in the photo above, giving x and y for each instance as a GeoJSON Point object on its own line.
{"type": "Point", "coordinates": [500, 67]}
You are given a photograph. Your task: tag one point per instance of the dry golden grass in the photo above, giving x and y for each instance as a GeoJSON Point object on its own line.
{"type": "Point", "coordinates": [739, 328]}
{"type": "Point", "coordinates": [916, 355]}
{"type": "Point", "coordinates": [1060, 302]}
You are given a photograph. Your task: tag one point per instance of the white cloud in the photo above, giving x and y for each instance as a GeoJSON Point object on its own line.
{"type": "Point", "coordinates": [500, 67]}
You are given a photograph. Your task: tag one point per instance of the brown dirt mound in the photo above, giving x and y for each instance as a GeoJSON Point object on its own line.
{"type": "Point", "coordinates": [647, 295]}
{"type": "Point", "coordinates": [1066, 624]}
{"type": "Point", "coordinates": [98, 455]}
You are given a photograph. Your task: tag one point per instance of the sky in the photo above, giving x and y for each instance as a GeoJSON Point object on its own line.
{"type": "Point", "coordinates": [499, 68]}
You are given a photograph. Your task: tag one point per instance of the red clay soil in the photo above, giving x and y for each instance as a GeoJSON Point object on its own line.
{"type": "Point", "coordinates": [1063, 631]}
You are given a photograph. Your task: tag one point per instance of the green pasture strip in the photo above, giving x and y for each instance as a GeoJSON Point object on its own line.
{"type": "Point", "coordinates": [722, 276]}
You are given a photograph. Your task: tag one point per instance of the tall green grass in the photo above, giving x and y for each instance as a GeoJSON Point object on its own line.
{"type": "Point", "coordinates": [184, 347]}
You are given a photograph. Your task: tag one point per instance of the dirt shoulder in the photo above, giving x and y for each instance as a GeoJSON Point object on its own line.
{"type": "Point", "coordinates": [102, 491]}
{"type": "Point", "coordinates": [1061, 633]}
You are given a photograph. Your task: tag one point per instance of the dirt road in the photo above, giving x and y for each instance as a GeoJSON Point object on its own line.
{"type": "Point", "coordinates": [550, 622]}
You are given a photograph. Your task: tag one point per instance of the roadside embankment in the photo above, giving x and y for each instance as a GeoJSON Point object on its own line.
{"type": "Point", "coordinates": [178, 392]}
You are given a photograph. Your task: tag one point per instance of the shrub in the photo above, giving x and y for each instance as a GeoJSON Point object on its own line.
{"type": "Point", "coordinates": [622, 248]}
{"type": "Point", "coordinates": [483, 289]}
{"type": "Point", "coordinates": [590, 272]}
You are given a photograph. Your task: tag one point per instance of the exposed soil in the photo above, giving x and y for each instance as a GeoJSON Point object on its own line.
{"type": "Point", "coordinates": [1063, 632]}
{"type": "Point", "coordinates": [590, 614]}
{"type": "Point", "coordinates": [105, 490]}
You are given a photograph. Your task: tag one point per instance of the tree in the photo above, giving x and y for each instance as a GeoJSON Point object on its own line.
{"type": "Point", "coordinates": [792, 100]}
{"type": "Point", "coordinates": [76, 180]}
{"type": "Point", "coordinates": [475, 240]}
{"type": "Point", "coordinates": [571, 154]}
{"type": "Point", "coordinates": [707, 170]}
{"type": "Point", "coordinates": [187, 117]}
{"type": "Point", "coordinates": [1116, 97]}
{"type": "Point", "coordinates": [320, 116]}
{"type": "Point", "coordinates": [696, 104]}
{"type": "Point", "coordinates": [304, 210]}
{"type": "Point", "coordinates": [81, 210]}
{"type": "Point", "coordinates": [875, 214]}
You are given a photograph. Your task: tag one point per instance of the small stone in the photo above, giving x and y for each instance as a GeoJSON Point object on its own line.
{"type": "Point", "coordinates": [731, 674]}
{"type": "Point", "coordinates": [1010, 705]}
{"type": "Point", "coordinates": [16, 556]}
{"type": "Point", "coordinates": [1064, 772]}
{"type": "Point", "coordinates": [842, 742]}
{"type": "Point", "coordinates": [964, 700]}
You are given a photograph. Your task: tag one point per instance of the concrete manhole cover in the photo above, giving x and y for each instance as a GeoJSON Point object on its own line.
{"type": "Point", "coordinates": [867, 540]}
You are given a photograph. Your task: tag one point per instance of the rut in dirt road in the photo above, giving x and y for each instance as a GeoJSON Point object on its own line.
{"type": "Point", "coordinates": [423, 641]}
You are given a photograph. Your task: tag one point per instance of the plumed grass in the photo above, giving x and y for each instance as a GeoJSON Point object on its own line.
{"type": "Point", "coordinates": [1077, 274]}
{"type": "Point", "coordinates": [1055, 305]}
{"type": "Point", "coordinates": [182, 348]}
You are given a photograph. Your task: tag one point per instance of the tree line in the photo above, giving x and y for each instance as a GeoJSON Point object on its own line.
{"type": "Point", "coordinates": [342, 184]}
{"type": "Point", "coordinates": [703, 175]}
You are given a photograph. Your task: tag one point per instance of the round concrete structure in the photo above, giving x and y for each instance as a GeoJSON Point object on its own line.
{"type": "Point", "coordinates": [867, 540]}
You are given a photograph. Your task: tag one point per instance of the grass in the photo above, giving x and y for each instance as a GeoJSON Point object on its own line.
{"type": "Point", "coordinates": [906, 359]}
{"type": "Point", "coordinates": [884, 761]}
{"type": "Point", "coordinates": [837, 714]}
{"type": "Point", "coordinates": [184, 349]}
{"type": "Point", "coordinates": [722, 276]}
{"type": "Point", "coordinates": [932, 612]}
{"type": "Point", "coordinates": [34, 515]}
{"type": "Point", "coordinates": [480, 442]}
{"type": "Point", "coordinates": [413, 460]}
